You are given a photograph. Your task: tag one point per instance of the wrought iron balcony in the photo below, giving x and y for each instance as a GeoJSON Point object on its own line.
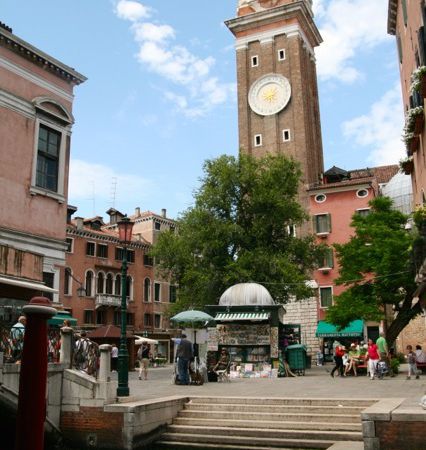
{"type": "Point", "coordinates": [109, 300]}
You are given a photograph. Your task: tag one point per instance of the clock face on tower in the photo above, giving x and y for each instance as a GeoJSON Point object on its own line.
{"type": "Point", "coordinates": [269, 94]}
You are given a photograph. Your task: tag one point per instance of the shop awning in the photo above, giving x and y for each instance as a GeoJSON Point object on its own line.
{"type": "Point", "coordinates": [354, 329]}
{"type": "Point", "coordinates": [250, 316]}
{"type": "Point", "coordinates": [58, 319]}
{"type": "Point", "coordinates": [27, 284]}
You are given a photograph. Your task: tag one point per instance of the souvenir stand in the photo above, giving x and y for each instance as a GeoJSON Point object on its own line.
{"type": "Point", "coordinates": [247, 326]}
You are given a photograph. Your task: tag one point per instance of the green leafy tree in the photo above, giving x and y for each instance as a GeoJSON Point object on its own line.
{"type": "Point", "coordinates": [238, 231]}
{"type": "Point", "coordinates": [378, 268]}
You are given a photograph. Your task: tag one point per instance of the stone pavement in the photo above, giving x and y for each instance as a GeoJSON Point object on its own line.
{"type": "Point", "coordinates": [317, 383]}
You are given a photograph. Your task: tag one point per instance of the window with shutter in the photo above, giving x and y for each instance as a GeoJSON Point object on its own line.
{"type": "Point", "coordinates": [404, 11]}
{"type": "Point", "coordinates": [322, 223]}
{"type": "Point", "coordinates": [326, 297]}
{"type": "Point", "coordinates": [399, 46]}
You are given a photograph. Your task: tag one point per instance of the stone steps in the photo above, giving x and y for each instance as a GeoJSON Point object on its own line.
{"type": "Point", "coordinates": [272, 433]}
{"type": "Point", "coordinates": [305, 417]}
{"type": "Point", "coordinates": [291, 409]}
{"type": "Point", "coordinates": [260, 424]}
{"type": "Point", "coordinates": [330, 426]}
{"type": "Point", "coordinates": [284, 401]}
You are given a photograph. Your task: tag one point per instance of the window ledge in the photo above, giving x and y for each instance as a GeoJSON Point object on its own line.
{"type": "Point", "coordinates": [34, 190]}
{"type": "Point", "coordinates": [325, 269]}
{"type": "Point", "coordinates": [324, 234]}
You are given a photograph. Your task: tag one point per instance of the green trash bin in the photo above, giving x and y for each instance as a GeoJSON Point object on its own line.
{"type": "Point", "coordinates": [296, 358]}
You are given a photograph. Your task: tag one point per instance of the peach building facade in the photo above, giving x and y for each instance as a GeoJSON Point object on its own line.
{"type": "Point", "coordinates": [332, 205]}
{"type": "Point", "coordinates": [406, 21]}
{"type": "Point", "coordinates": [36, 97]}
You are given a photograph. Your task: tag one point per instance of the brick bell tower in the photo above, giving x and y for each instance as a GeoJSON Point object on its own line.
{"type": "Point", "coordinates": [278, 109]}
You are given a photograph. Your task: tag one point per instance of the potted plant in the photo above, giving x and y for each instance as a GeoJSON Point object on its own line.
{"type": "Point", "coordinates": [414, 120]}
{"type": "Point", "coordinates": [418, 81]}
{"type": "Point", "coordinates": [409, 141]}
{"type": "Point", "coordinates": [407, 165]}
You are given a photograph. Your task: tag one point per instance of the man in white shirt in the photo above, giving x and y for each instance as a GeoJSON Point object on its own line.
{"type": "Point", "coordinates": [420, 354]}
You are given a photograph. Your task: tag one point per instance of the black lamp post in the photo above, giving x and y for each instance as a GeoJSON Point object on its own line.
{"type": "Point", "coordinates": [125, 227]}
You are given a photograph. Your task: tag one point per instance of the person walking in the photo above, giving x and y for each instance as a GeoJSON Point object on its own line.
{"type": "Point", "coordinates": [81, 352]}
{"type": "Point", "coordinates": [373, 358]}
{"type": "Point", "coordinates": [17, 333]}
{"type": "Point", "coordinates": [114, 358]}
{"type": "Point", "coordinates": [184, 354]}
{"type": "Point", "coordinates": [338, 359]}
{"type": "Point", "coordinates": [411, 360]}
{"type": "Point", "coordinates": [143, 357]}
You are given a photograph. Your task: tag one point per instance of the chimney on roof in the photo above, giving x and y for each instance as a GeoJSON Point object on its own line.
{"type": "Point", "coordinates": [163, 212]}
{"type": "Point", "coordinates": [79, 222]}
{"type": "Point", "coordinates": [5, 27]}
{"type": "Point", "coordinates": [137, 211]}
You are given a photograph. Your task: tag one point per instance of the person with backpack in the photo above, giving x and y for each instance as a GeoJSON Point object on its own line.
{"type": "Point", "coordinates": [17, 333]}
{"type": "Point", "coordinates": [81, 352]}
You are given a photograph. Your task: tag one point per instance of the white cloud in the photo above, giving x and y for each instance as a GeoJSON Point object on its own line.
{"type": "Point", "coordinates": [151, 32]}
{"type": "Point", "coordinates": [91, 180]}
{"type": "Point", "coordinates": [131, 10]}
{"type": "Point", "coordinates": [348, 27]}
{"type": "Point", "coordinates": [159, 54]}
{"type": "Point", "coordinates": [380, 129]}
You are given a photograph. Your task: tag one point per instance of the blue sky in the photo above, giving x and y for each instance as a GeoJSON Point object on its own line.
{"type": "Point", "coordinates": [161, 94]}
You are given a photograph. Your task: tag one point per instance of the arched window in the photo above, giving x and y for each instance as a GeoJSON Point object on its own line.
{"type": "Point", "coordinates": [147, 290]}
{"type": "Point", "coordinates": [89, 283]}
{"type": "Point", "coordinates": [117, 290]}
{"type": "Point", "coordinates": [109, 283]}
{"type": "Point", "coordinates": [101, 283]}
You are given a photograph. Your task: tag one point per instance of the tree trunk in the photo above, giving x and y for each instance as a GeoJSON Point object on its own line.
{"type": "Point", "coordinates": [401, 321]}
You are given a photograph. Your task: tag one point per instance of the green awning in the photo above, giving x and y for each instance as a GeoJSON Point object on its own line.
{"type": "Point", "coordinates": [354, 329]}
{"type": "Point", "coordinates": [58, 319]}
{"type": "Point", "coordinates": [252, 316]}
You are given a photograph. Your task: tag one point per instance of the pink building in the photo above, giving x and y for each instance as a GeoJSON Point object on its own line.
{"type": "Point", "coordinates": [36, 97]}
{"type": "Point", "coordinates": [332, 205]}
{"type": "Point", "coordinates": [93, 262]}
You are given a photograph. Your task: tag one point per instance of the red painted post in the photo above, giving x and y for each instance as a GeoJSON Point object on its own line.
{"type": "Point", "coordinates": [33, 376]}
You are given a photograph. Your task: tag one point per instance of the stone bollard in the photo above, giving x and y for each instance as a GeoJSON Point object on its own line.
{"type": "Point", "coordinates": [31, 413]}
{"type": "Point", "coordinates": [66, 346]}
{"type": "Point", "coordinates": [105, 362]}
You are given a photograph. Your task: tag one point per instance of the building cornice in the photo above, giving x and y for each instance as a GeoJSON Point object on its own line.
{"type": "Point", "coordinates": [392, 13]}
{"type": "Point", "coordinates": [260, 18]}
{"type": "Point", "coordinates": [72, 231]}
{"type": "Point", "coordinates": [31, 53]}
{"type": "Point", "coordinates": [355, 185]}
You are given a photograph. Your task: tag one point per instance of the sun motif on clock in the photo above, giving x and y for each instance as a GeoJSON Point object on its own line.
{"type": "Point", "coordinates": [269, 94]}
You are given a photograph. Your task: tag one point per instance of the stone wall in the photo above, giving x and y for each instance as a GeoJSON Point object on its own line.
{"type": "Point", "coordinates": [414, 333]}
{"type": "Point", "coordinates": [389, 425]}
{"type": "Point", "coordinates": [304, 312]}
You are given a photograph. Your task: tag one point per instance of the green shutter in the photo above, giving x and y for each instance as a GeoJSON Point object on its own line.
{"type": "Point", "coordinates": [399, 46]}
{"type": "Point", "coordinates": [404, 11]}
{"type": "Point", "coordinates": [329, 223]}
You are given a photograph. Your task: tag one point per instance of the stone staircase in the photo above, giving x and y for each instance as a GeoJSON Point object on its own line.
{"type": "Point", "coordinates": [264, 423]}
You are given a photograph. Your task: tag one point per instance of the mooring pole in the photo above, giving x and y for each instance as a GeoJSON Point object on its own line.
{"type": "Point", "coordinates": [31, 413]}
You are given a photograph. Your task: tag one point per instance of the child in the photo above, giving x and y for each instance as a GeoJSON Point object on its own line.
{"type": "Point", "coordinates": [411, 360]}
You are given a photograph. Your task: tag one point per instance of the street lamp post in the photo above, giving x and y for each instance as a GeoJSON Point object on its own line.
{"type": "Point", "coordinates": [125, 227]}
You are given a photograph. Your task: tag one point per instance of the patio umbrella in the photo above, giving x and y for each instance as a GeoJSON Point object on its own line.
{"type": "Point", "coordinates": [192, 317]}
{"type": "Point", "coordinates": [140, 340]}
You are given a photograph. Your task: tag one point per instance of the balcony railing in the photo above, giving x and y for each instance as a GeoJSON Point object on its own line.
{"type": "Point", "coordinates": [109, 300]}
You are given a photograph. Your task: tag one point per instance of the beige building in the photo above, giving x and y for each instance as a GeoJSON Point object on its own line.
{"type": "Point", "coordinates": [36, 97]}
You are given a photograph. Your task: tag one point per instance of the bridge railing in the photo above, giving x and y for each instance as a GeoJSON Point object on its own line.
{"type": "Point", "coordinates": [83, 353]}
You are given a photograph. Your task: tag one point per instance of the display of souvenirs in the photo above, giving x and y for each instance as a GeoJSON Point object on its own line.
{"type": "Point", "coordinates": [237, 334]}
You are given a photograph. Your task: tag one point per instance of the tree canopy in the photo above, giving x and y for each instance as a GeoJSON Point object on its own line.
{"type": "Point", "coordinates": [239, 230]}
{"type": "Point", "coordinates": [378, 269]}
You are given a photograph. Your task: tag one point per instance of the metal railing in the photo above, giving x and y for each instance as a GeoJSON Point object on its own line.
{"type": "Point", "coordinates": [85, 353]}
